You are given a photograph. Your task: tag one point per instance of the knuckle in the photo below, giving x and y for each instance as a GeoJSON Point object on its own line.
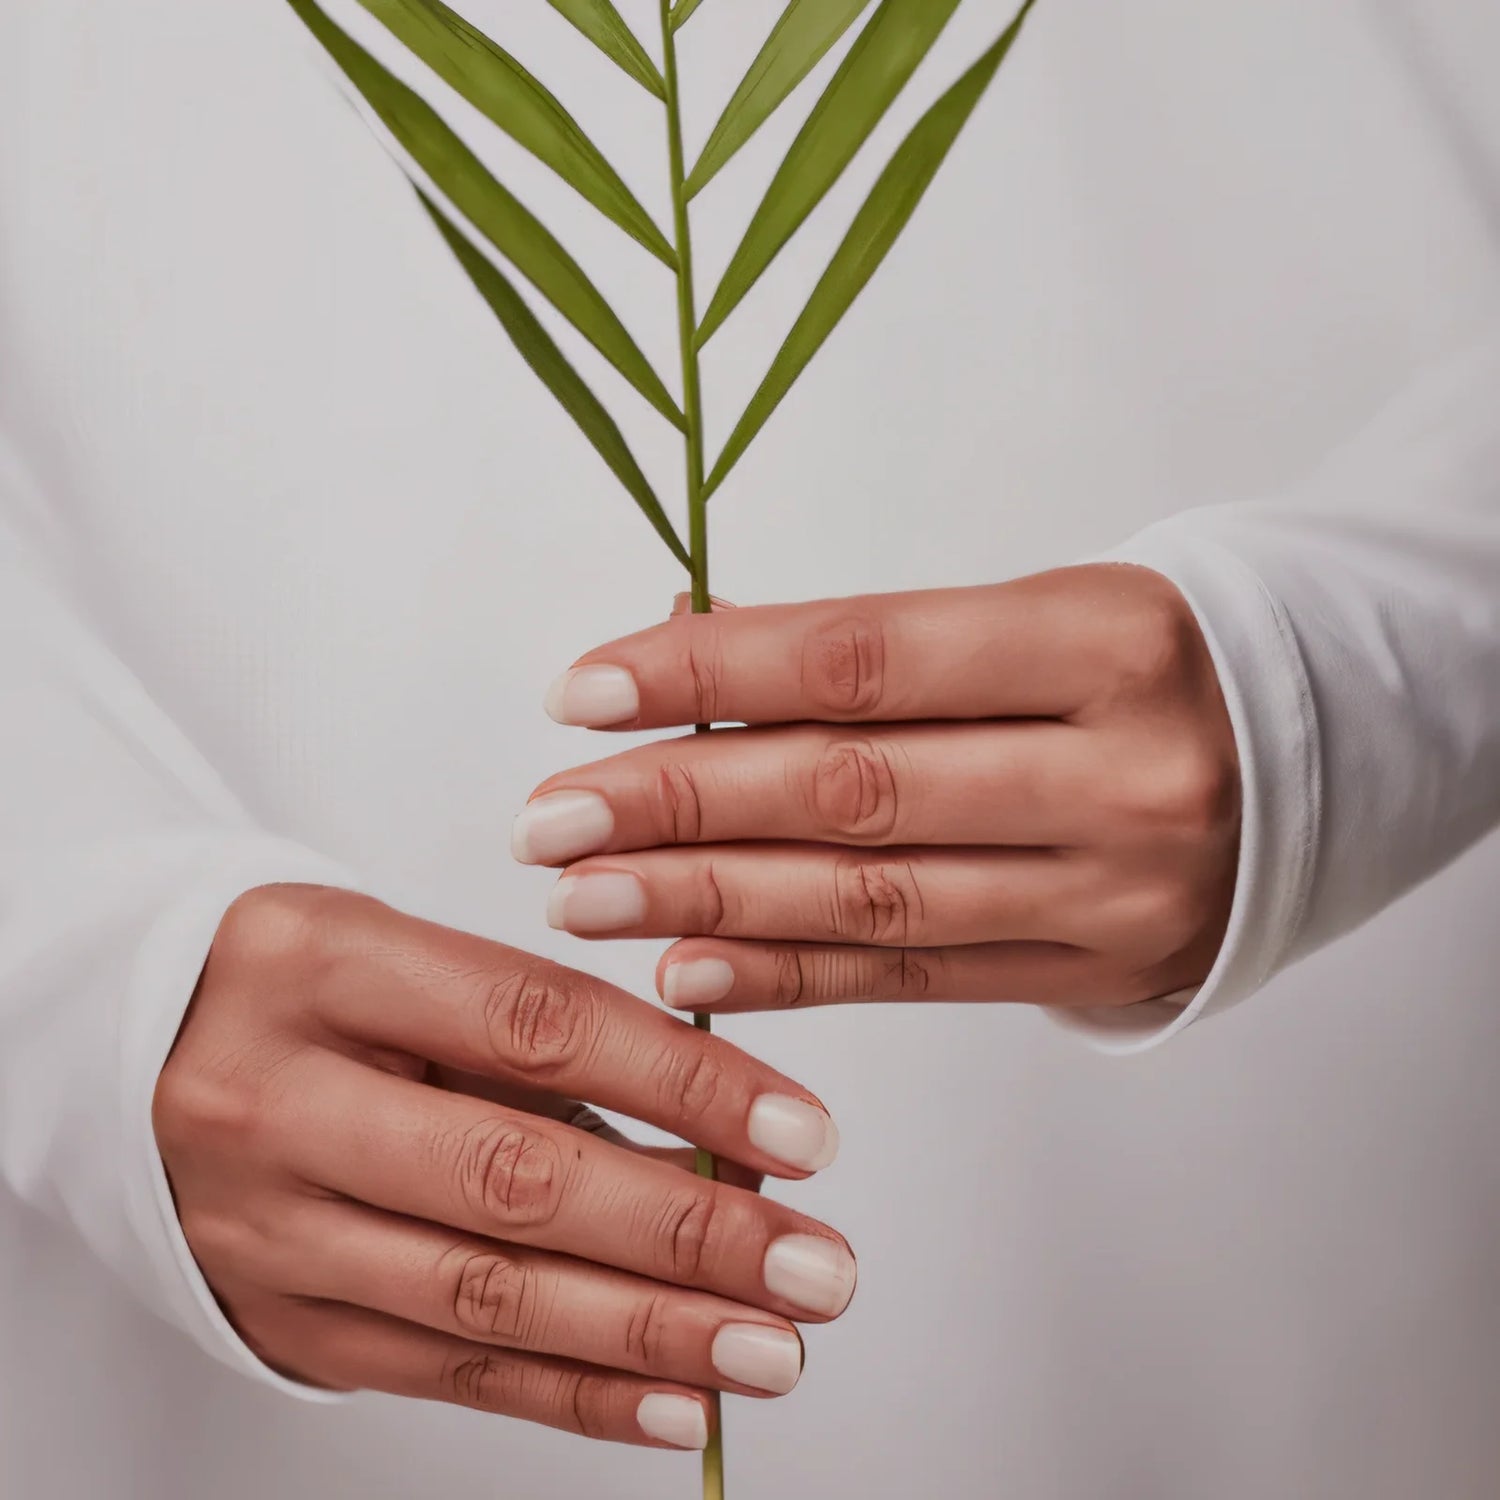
{"type": "Point", "coordinates": [197, 1109]}
{"type": "Point", "coordinates": [537, 1023]}
{"type": "Point", "coordinates": [711, 901]}
{"type": "Point", "coordinates": [646, 1332]}
{"type": "Point", "coordinates": [493, 1296]}
{"type": "Point", "coordinates": [854, 790]}
{"type": "Point", "coordinates": [1157, 919]}
{"type": "Point", "coordinates": [912, 978]}
{"type": "Point", "coordinates": [843, 666]}
{"type": "Point", "coordinates": [692, 1079]}
{"type": "Point", "coordinates": [677, 793]}
{"type": "Point", "coordinates": [509, 1173]}
{"type": "Point", "coordinates": [1204, 795]}
{"type": "Point", "coordinates": [1158, 643]}
{"type": "Point", "coordinates": [706, 667]}
{"type": "Point", "coordinates": [484, 1381]}
{"type": "Point", "coordinates": [791, 978]}
{"type": "Point", "coordinates": [876, 902]}
{"type": "Point", "coordinates": [586, 1402]}
{"type": "Point", "coordinates": [1193, 794]}
{"type": "Point", "coordinates": [219, 1241]}
{"type": "Point", "coordinates": [687, 1224]}
{"type": "Point", "coordinates": [279, 924]}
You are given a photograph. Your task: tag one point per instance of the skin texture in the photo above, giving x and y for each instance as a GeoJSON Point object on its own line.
{"type": "Point", "coordinates": [368, 1127]}
{"type": "Point", "coordinates": [1026, 792]}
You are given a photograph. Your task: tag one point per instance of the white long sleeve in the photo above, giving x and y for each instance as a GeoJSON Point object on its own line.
{"type": "Point", "coordinates": [1355, 622]}
{"type": "Point", "coordinates": [119, 852]}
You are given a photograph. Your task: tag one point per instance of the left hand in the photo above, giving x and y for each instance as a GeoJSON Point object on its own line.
{"type": "Point", "coordinates": [1023, 792]}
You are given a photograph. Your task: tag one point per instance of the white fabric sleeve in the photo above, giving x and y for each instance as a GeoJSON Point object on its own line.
{"type": "Point", "coordinates": [1355, 624]}
{"type": "Point", "coordinates": [119, 852]}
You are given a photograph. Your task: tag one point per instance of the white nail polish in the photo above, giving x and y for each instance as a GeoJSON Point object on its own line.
{"type": "Point", "coordinates": [696, 981]}
{"type": "Point", "coordinates": [765, 1359]}
{"type": "Point", "coordinates": [814, 1274]}
{"type": "Point", "coordinates": [678, 1420]}
{"type": "Point", "coordinates": [594, 698]}
{"type": "Point", "coordinates": [793, 1131]}
{"type": "Point", "coordinates": [588, 905]}
{"type": "Point", "coordinates": [561, 827]}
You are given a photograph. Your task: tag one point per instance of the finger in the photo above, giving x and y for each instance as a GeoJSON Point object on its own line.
{"type": "Point", "coordinates": [706, 975]}
{"type": "Point", "coordinates": [483, 1008]}
{"type": "Point", "coordinates": [532, 1300]}
{"type": "Point", "coordinates": [581, 1117]}
{"type": "Point", "coordinates": [1014, 650]}
{"type": "Point", "coordinates": [489, 1171]}
{"type": "Point", "coordinates": [1005, 784]}
{"type": "Point", "coordinates": [354, 1349]}
{"type": "Point", "coordinates": [889, 898]}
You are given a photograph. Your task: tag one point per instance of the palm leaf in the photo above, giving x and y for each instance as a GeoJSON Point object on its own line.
{"type": "Point", "coordinates": [500, 217]}
{"type": "Point", "coordinates": [878, 67]}
{"type": "Point", "coordinates": [886, 212]}
{"type": "Point", "coordinates": [506, 94]}
{"type": "Point", "coordinates": [804, 34]}
{"type": "Point", "coordinates": [550, 364]}
{"type": "Point", "coordinates": [682, 12]}
{"type": "Point", "coordinates": [604, 26]}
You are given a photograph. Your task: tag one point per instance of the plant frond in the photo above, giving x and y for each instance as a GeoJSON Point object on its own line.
{"type": "Point", "coordinates": [886, 212]}
{"type": "Point", "coordinates": [605, 27]}
{"type": "Point", "coordinates": [482, 72]}
{"type": "Point", "coordinates": [803, 36]}
{"type": "Point", "coordinates": [537, 347]}
{"type": "Point", "coordinates": [879, 66]}
{"type": "Point", "coordinates": [491, 208]}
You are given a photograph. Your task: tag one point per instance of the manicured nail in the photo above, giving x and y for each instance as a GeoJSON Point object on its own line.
{"type": "Point", "coordinates": [594, 697]}
{"type": "Point", "coordinates": [765, 1359]}
{"type": "Point", "coordinates": [561, 827]}
{"type": "Point", "coordinates": [589, 904]}
{"type": "Point", "coordinates": [813, 1274]}
{"type": "Point", "coordinates": [794, 1132]}
{"type": "Point", "coordinates": [677, 1420]}
{"type": "Point", "coordinates": [696, 981]}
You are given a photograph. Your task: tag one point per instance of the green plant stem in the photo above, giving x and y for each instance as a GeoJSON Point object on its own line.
{"type": "Point", "coordinates": [697, 501]}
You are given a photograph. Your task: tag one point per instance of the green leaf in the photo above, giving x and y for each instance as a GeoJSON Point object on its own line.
{"type": "Point", "coordinates": [879, 65]}
{"type": "Point", "coordinates": [604, 26]}
{"type": "Point", "coordinates": [804, 34]}
{"type": "Point", "coordinates": [507, 95]}
{"type": "Point", "coordinates": [500, 217]}
{"type": "Point", "coordinates": [540, 351]}
{"type": "Point", "coordinates": [682, 12]}
{"type": "Point", "coordinates": [886, 212]}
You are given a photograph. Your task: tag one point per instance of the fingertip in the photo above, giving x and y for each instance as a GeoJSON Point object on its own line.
{"type": "Point", "coordinates": [594, 696]}
{"type": "Point", "coordinates": [693, 984]}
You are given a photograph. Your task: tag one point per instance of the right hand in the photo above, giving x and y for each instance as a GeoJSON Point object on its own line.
{"type": "Point", "coordinates": [339, 1122]}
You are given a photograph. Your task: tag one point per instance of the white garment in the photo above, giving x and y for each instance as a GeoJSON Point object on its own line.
{"type": "Point", "coordinates": [290, 544]}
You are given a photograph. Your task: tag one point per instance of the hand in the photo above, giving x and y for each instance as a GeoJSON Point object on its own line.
{"type": "Point", "coordinates": [1024, 792]}
{"type": "Point", "coordinates": [340, 1123]}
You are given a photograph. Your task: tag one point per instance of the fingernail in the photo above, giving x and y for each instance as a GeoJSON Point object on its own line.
{"type": "Point", "coordinates": [794, 1132]}
{"type": "Point", "coordinates": [696, 981]}
{"type": "Point", "coordinates": [677, 1420]}
{"type": "Point", "coordinates": [813, 1274]}
{"type": "Point", "coordinates": [589, 904]}
{"type": "Point", "coordinates": [765, 1359]}
{"type": "Point", "coordinates": [561, 827]}
{"type": "Point", "coordinates": [594, 697]}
